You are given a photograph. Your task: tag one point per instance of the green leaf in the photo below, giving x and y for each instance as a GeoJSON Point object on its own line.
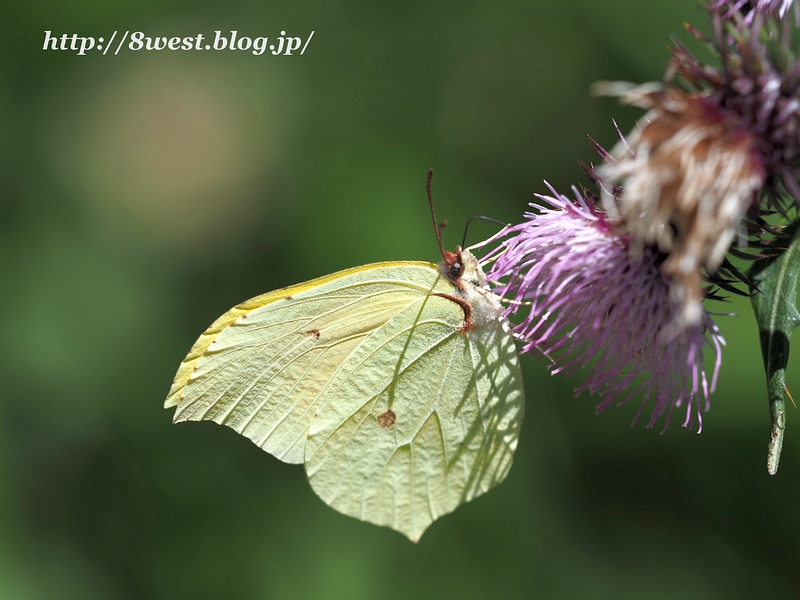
{"type": "Point", "coordinates": [774, 302]}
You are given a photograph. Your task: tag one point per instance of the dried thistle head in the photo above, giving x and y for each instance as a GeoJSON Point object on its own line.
{"type": "Point", "coordinates": [690, 173]}
{"type": "Point", "coordinates": [712, 141]}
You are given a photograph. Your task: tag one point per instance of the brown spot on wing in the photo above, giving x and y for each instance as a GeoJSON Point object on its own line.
{"type": "Point", "coordinates": [288, 298]}
{"type": "Point", "coordinates": [313, 333]}
{"type": "Point", "coordinates": [387, 419]}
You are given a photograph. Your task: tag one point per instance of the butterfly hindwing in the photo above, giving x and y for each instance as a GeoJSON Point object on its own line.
{"type": "Point", "coordinates": [420, 419]}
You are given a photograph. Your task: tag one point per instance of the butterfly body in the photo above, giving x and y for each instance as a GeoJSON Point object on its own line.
{"type": "Point", "coordinates": [396, 384]}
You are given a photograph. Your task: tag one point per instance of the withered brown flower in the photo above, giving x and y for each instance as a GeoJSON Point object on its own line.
{"type": "Point", "coordinates": [690, 173]}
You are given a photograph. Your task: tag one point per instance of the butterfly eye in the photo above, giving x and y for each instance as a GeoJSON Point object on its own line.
{"type": "Point", "coordinates": [456, 269]}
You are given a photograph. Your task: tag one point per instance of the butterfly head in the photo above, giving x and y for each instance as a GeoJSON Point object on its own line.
{"type": "Point", "coordinates": [461, 266]}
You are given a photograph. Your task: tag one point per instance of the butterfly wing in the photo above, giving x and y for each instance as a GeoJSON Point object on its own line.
{"type": "Point", "coordinates": [367, 377]}
{"type": "Point", "coordinates": [263, 367]}
{"type": "Point", "coordinates": [421, 418]}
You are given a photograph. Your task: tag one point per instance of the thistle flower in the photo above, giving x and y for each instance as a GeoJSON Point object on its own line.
{"type": "Point", "coordinates": [593, 302]}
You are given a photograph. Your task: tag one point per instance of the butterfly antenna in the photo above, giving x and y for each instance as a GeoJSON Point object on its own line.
{"type": "Point", "coordinates": [475, 218]}
{"type": "Point", "coordinates": [433, 213]}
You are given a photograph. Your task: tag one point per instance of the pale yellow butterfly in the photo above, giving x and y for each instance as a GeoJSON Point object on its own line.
{"type": "Point", "coordinates": [397, 384]}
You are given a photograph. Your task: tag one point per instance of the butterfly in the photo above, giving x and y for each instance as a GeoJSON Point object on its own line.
{"type": "Point", "coordinates": [396, 384]}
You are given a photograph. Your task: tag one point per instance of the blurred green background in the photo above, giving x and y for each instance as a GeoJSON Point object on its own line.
{"type": "Point", "coordinates": [144, 194]}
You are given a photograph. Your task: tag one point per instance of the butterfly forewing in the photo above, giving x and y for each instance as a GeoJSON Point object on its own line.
{"type": "Point", "coordinates": [265, 372]}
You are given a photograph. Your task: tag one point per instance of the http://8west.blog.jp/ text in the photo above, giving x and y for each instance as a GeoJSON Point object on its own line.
{"type": "Point", "coordinates": [282, 45]}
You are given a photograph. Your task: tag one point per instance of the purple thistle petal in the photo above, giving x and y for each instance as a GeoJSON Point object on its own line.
{"type": "Point", "coordinates": [781, 7]}
{"type": "Point", "coordinates": [592, 298]}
